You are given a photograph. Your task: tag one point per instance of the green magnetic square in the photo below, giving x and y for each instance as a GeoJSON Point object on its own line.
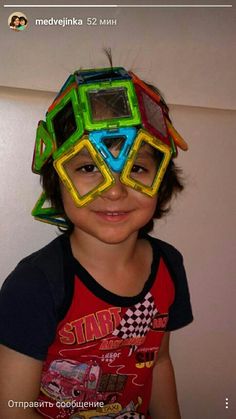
{"type": "Point", "coordinates": [48, 215]}
{"type": "Point", "coordinates": [71, 98]}
{"type": "Point", "coordinates": [39, 208]}
{"type": "Point", "coordinates": [41, 155]}
{"type": "Point", "coordinates": [87, 90]}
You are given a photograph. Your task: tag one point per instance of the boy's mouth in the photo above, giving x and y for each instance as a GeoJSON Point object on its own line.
{"type": "Point", "coordinates": [115, 212]}
{"type": "Point", "coordinates": [118, 212]}
{"type": "Point", "coordinates": [113, 215]}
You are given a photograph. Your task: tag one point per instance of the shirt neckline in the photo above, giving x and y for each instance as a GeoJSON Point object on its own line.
{"type": "Point", "coordinates": [97, 289]}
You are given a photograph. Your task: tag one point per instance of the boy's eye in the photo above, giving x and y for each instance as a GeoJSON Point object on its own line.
{"type": "Point", "coordinates": [87, 168]}
{"type": "Point", "coordinates": [138, 169]}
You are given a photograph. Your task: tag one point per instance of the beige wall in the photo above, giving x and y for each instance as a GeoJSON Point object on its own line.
{"type": "Point", "coordinates": [201, 225]}
{"type": "Point", "coordinates": [189, 52]}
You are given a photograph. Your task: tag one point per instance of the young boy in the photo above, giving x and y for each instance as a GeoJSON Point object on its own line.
{"type": "Point", "coordinates": [86, 321]}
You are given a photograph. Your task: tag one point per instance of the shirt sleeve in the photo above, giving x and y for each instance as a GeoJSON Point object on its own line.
{"type": "Point", "coordinates": [27, 312]}
{"type": "Point", "coordinates": [180, 312]}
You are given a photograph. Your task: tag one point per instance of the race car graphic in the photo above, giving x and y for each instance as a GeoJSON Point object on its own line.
{"type": "Point", "coordinates": [66, 379]}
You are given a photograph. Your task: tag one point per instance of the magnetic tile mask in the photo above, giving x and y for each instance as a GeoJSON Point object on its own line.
{"type": "Point", "coordinates": [104, 122]}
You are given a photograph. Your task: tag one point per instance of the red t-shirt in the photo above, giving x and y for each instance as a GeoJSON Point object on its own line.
{"type": "Point", "coordinates": [105, 353]}
{"type": "Point", "coordinates": [98, 348]}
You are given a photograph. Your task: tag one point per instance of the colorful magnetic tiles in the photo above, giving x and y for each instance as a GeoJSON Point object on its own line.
{"type": "Point", "coordinates": [93, 109]}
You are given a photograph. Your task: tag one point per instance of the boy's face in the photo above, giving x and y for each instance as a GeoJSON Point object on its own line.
{"type": "Point", "coordinates": [118, 212]}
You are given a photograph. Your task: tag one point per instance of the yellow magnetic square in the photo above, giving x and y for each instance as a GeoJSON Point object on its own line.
{"type": "Point", "coordinates": [144, 137]}
{"type": "Point", "coordinates": [108, 179]}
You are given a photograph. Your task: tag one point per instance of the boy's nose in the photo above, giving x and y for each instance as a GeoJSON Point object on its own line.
{"type": "Point", "coordinates": [117, 191]}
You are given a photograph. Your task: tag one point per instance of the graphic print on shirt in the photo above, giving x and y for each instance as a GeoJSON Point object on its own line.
{"type": "Point", "coordinates": [91, 327]}
{"type": "Point", "coordinates": [137, 321]}
{"type": "Point", "coordinates": [112, 411]}
{"type": "Point", "coordinates": [129, 330]}
{"type": "Point", "coordinates": [67, 380]}
{"type": "Point", "coordinates": [106, 356]}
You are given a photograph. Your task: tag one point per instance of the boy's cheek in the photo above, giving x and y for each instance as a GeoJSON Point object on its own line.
{"type": "Point", "coordinates": [66, 196]}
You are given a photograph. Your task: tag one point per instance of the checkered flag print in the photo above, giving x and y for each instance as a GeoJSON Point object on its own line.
{"type": "Point", "coordinates": [138, 319]}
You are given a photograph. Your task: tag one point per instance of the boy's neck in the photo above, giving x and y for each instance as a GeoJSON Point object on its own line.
{"type": "Point", "coordinates": [127, 263]}
{"type": "Point", "coordinates": [91, 251]}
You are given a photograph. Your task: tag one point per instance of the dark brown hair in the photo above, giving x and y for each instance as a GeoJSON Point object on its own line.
{"type": "Point", "coordinates": [13, 19]}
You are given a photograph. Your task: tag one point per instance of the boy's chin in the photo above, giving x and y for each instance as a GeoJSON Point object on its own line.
{"type": "Point", "coordinates": [115, 238]}
{"type": "Point", "coordinates": [111, 236]}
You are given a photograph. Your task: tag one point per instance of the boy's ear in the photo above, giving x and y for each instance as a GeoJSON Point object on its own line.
{"type": "Point", "coordinates": [47, 214]}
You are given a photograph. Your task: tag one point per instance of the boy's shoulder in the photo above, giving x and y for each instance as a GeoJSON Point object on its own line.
{"type": "Point", "coordinates": [172, 258]}
{"type": "Point", "coordinates": [45, 265]}
{"type": "Point", "coordinates": [180, 313]}
{"type": "Point", "coordinates": [32, 295]}
{"type": "Point", "coordinates": [166, 249]}
{"type": "Point", "coordinates": [51, 253]}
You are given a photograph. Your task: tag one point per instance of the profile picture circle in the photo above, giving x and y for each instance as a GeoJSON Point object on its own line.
{"type": "Point", "coordinates": [18, 21]}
